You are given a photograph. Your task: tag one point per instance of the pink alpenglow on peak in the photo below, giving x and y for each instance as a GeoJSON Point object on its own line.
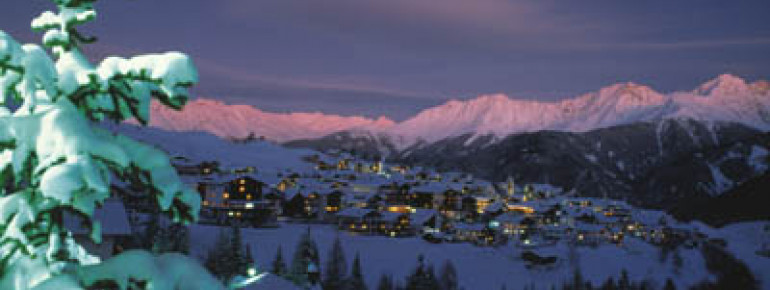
{"type": "Point", "coordinates": [725, 98]}
{"type": "Point", "coordinates": [725, 84]}
{"type": "Point", "coordinates": [239, 121]}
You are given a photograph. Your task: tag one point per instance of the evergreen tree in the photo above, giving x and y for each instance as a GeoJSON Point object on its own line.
{"type": "Point", "coordinates": [669, 285]}
{"type": "Point", "coordinates": [58, 160]}
{"type": "Point", "coordinates": [240, 263]}
{"type": "Point", "coordinates": [386, 283]}
{"type": "Point", "coordinates": [423, 277]}
{"type": "Point", "coordinates": [336, 267]}
{"type": "Point", "coordinates": [217, 259]}
{"type": "Point", "coordinates": [249, 256]}
{"type": "Point", "coordinates": [229, 257]}
{"type": "Point", "coordinates": [305, 259]}
{"type": "Point", "coordinates": [279, 265]}
{"type": "Point", "coordinates": [609, 284]}
{"type": "Point", "coordinates": [624, 283]}
{"type": "Point", "coordinates": [356, 279]}
{"type": "Point", "coordinates": [449, 279]}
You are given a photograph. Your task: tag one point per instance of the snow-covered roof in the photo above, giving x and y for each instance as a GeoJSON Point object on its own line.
{"type": "Point", "coordinates": [354, 212]}
{"type": "Point", "coordinates": [509, 217]}
{"type": "Point", "coordinates": [421, 216]}
{"type": "Point", "coordinates": [469, 227]}
{"type": "Point", "coordinates": [390, 216]}
{"type": "Point", "coordinates": [495, 206]}
{"type": "Point", "coordinates": [430, 187]}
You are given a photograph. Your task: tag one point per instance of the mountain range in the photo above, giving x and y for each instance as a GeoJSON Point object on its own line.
{"type": "Point", "coordinates": [625, 141]}
{"type": "Point", "coordinates": [726, 98]}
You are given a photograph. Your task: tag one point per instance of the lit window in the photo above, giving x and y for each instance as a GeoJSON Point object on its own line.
{"type": "Point", "coordinates": [243, 181]}
{"type": "Point", "coordinates": [248, 196]}
{"type": "Point", "coordinates": [225, 195]}
{"type": "Point", "coordinates": [242, 189]}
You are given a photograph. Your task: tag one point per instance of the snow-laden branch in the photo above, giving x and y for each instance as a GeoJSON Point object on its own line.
{"type": "Point", "coordinates": [53, 157]}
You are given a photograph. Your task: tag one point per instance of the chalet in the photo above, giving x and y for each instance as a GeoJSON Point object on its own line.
{"type": "Point", "coordinates": [427, 195]}
{"type": "Point", "coordinates": [475, 205]}
{"type": "Point", "coordinates": [509, 223]}
{"type": "Point", "coordinates": [186, 167]}
{"type": "Point", "coordinates": [495, 209]}
{"type": "Point", "coordinates": [393, 224]}
{"type": "Point", "coordinates": [303, 203]}
{"type": "Point", "coordinates": [395, 193]}
{"type": "Point", "coordinates": [590, 234]}
{"type": "Point", "coordinates": [355, 219]}
{"type": "Point", "coordinates": [476, 233]}
{"type": "Point", "coordinates": [424, 200]}
{"type": "Point", "coordinates": [115, 229]}
{"type": "Point", "coordinates": [361, 200]}
{"type": "Point", "coordinates": [243, 189]}
{"type": "Point", "coordinates": [333, 202]}
{"type": "Point", "coordinates": [343, 164]}
{"type": "Point", "coordinates": [285, 184]}
{"type": "Point", "coordinates": [451, 200]}
{"type": "Point", "coordinates": [425, 220]}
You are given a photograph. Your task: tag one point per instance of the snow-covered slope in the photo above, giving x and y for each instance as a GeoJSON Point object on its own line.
{"type": "Point", "coordinates": [240, 121]}
{"type": "Point", "coordinates": [202, 146]}
{"type": "Point", "coordinates": [725, 98]}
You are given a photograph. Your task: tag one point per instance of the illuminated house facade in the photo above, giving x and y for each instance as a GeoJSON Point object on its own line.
{"type": "Point", "coordinates": [244, 201]}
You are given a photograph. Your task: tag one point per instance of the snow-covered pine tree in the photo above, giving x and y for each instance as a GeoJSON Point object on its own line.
{"type": "Point", "coordinates": [336, 267]}
{"type": "Point", "coordinates": [449, 279]}
{"type": "Point", "coordinates": [356, 279]}
{"type": "Point", "coordinates": [229, 257]}
{"type": "Point", "coordinates": [669, 285]}
{"type": "Point", "coordinates": [305, 258]}
{"type": "Point", "coordinates": [279, 265]}
{"type": "Point", "coordinates": [249, 257]}
{"type": "Point", "coordinates": [218, 257]}
{"type": "Point", "coordinates": [423, 277]}
{"type": "Point", "coordinates": [236, 252]}
{"type": "Point", "coordinates": [54, 159]}
{"type": "Point", "coordinates": [385, 283]}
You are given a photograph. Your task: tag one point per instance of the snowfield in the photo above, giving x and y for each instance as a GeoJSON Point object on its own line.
{"type": "Point", "coordinates": [201, 146]}
{"type": "Point", "coordinates": [477, 267]}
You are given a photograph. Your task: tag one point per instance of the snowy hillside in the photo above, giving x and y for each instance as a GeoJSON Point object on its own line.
{"type": "Point", "coordinates": [241, 120]}
{"type": "Point", "coordinates": [200, 146]}
{"type": "Point", "coordinates": [502, 265]}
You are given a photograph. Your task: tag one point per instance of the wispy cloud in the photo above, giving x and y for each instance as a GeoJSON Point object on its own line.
{"type": "Point", "coordinates": [239, 77]}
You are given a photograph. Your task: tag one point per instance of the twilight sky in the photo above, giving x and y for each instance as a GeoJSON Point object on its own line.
{"type": "Point", "coordinates": [396, 57]}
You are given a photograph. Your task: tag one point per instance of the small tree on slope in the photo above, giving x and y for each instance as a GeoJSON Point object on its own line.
{"type": "Point", "coordinates": [54, 159]}
{"type": "Point", "coordinates": [336, 267]}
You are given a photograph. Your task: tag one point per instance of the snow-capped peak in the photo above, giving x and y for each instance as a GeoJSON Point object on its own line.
{"type": "Point", "coordinates": [239, 121]}
{"type": "Point", "coordinates": [725, 98]}
{"type": "Point", "coordinates": [725, 84]}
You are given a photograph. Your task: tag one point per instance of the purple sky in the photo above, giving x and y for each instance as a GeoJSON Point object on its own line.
{"type": "Point", "coordinates": [396, 57]}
